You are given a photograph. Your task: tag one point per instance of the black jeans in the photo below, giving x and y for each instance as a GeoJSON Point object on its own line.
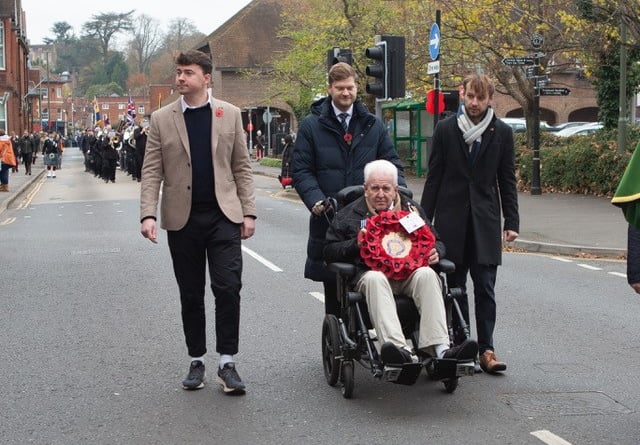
{"type": "Point", "coordinates": [209, 237]}
{"type": "Point", "coordinates": [484, 281]}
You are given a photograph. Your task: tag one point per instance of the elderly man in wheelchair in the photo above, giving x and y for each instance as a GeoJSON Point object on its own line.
{"type": "Point", "coordinates": [386, 230]}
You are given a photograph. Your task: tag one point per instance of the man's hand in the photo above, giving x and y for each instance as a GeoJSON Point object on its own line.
{"type": "Point", "coordinates": [248, 227]}
{"type": "Point", "coordinates": [636, 287]}
{"type": "Point", "coordinates": [509, 235]}
{"type": "Point", "coordinates": [149, 230]}
{"type": "Point", "coordinates": [318, 208]}
{"type": "Point", "coordinates": [434, 258]}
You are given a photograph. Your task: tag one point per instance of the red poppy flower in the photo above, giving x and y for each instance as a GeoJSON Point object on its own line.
{"type": "Point", "coordinates": [219, 112]}
{"type": "Point", "coordinates": [348, 138]}
{"type": "Point", "coordinates": [388, 248]}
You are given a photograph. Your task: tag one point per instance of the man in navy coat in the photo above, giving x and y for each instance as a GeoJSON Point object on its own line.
{"type": "Point", "coordinates": [334, 143]}
{"type": "Point", "coordinates": [470, 180]}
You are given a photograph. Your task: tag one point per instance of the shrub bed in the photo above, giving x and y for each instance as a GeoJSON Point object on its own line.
{"type": "Point", "coordinates": [581, 164]}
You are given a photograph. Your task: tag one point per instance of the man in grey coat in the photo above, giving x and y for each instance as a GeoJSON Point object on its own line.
{"type": "Point", "coordinates": [470, 180]}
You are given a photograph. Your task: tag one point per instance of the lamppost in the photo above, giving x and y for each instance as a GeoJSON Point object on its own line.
{"type": "Point", "coordinates": [48, 96]}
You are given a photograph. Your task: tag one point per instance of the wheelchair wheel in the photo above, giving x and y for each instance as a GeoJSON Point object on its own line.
{"type": "Point", "coordinates": [331, 349]}
{"type": "Point", "coordinates": [347, 379]}
{"type": "Point", "coordinates": [450, 385]}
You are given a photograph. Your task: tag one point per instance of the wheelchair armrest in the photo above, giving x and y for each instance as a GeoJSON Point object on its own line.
{"type": "Point", "coordinates": [444, 266]}
{"type": "Point", "coordinates": [346, 270]}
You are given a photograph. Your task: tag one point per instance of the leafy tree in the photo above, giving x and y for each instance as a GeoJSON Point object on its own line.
{"type": "Point", "coordinates": [316, 26]}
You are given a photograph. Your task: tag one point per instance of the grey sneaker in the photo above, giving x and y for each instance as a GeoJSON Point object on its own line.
{"type": "Point", "coordinates": [229, 379]}
{"type": "Point", "coordinates": [195, 378]}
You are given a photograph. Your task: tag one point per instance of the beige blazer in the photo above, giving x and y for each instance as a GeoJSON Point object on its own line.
{"type": "Point", "coordinates": [167, 164]}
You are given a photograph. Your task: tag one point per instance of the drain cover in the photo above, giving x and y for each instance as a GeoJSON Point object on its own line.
{"type": "Point", "coordinates": [563, 404]}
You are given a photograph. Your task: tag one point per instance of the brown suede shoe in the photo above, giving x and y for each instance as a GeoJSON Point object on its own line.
{"type": "Point", "coordinates": [490, 364]}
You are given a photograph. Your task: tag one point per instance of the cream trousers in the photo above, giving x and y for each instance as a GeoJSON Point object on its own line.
{"type": "Point", "coordinates": [425, 288]}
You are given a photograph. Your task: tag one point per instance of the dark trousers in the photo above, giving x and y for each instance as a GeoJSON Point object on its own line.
{"type": "Point", "coordinates": [484, 280]}
{"type": "Point", "coordinates": [208, 237]}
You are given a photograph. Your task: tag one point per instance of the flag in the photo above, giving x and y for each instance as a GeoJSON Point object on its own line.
{"type": "Point", "coordinates": [627, 195]}
{"type": "Point", "coordinates": [131, 112]}
{"type": "Point", "coordinates": [96, 112]}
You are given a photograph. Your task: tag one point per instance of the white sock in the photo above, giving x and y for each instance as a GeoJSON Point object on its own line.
{"type": "Point", "coordinates": [201, 359]}
{"type": "Point", "coordinates": [440, 350]}
{"type": "Point", "coordinates": [224, 359]}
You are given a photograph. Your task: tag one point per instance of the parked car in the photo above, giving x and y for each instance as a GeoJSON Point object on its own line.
{"type": "Point", "coordinates": [519, 124]}
{"type": "Point", "coordinates": [579, 130]}
{"type": "Point", "coordinates": [564, 125]}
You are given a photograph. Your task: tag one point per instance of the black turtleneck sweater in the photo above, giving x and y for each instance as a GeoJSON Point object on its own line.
{"type": "Point", "coordinates": [198, 122]}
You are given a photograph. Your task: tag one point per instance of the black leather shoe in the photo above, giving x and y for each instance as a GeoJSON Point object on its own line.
{"type": "Point", "coordinates": [390, 353]}
{"type": "Point", "coordinates": [465, 351]}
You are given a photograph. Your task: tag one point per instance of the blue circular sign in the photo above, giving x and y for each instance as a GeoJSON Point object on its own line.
{"type": "Point", "coordinates": [434, 41]}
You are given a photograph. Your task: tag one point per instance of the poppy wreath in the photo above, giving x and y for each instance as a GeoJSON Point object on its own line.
{"type": "Point", "coordinates": [388, 248]}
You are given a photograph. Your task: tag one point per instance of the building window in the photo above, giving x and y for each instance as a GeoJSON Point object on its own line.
{"type": "Point", "coordinates": [3, 117]}
{"type": "Point", "coordinates": [105, 106]}
{"type": "Point", "coordinates": [141, 110]}
{"type": "Point", "coordinates": [58, 92]}
{"type": "Point", "coordinates": [2, 66]}
{"type": "Point", "coordinates": [121, 106]}
{"type": "Point", "coordinates": [44, 93]}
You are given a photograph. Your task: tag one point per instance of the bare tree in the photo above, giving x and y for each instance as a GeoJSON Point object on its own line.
{"type": "Point", "coordinates": [147, 39]}
{"type": "Point", "coordinates": [104, 26]}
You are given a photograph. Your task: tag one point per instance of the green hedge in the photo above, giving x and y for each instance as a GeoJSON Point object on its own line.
{"type": "Point", "coordinates": [581, 164]}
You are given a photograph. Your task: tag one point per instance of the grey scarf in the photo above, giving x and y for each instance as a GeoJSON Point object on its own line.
{"type": "Point", "coordinates": [470, 131]}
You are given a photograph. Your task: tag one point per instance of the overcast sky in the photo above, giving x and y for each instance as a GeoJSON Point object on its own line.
{"type": "Point", "coordinates": [206, 15]}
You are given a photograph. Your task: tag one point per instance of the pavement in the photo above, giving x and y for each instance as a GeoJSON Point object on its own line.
{"type": "Point", "coordinates": [552, 223]}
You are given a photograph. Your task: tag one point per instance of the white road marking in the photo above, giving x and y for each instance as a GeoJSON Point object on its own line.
{"type": "Point", "coordinates": [261, 259]}
{"type": "Point", "coordinates": [586, 266]}
{"type": "Point", "coordinates": [318, 295]}
{"type": "Point", "coordinates": [549, 438]}
{"type": "Point", "coordinates": [618, 274]}
{"type": "Point", "coordinates": [7, 221]}
{"type": "Point", "coordinates": [564, 260]}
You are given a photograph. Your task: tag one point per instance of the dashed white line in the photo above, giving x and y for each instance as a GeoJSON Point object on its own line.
{"type": "Point", "coordinates": [618, 274]}
{"type": "Point", "coordinates": [261, 259]}
{"type": "Point", "coordinates": [564, 260]}
{"type": "Point", "coordinates": [586, 266]}
{"type": "Point", "coordinates": [318, 296]}
{"type": "Point", "coordinates": [549, 438]}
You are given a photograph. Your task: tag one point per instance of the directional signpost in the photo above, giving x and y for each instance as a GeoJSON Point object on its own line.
{"type": "Point", "coordinates": [554, 91]}
{"type": "Point", "coordinates": [514, 61]}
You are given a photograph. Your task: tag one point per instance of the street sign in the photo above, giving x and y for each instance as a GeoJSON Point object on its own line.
{"type": "Point", "coordinates": [554, 91]}
{"type": "Point", "coordinates": [512, 61]}
{"type": "Point", "coordinates": [434, 41]}
{"type": "Point", "coordinates": [542, 81]}
{"type": "Point", "coordinates": [532, 71]}
{"type": "Point", "coordinates": [537, 41]}
{"type": "Point", "coordinates": [433, 67]}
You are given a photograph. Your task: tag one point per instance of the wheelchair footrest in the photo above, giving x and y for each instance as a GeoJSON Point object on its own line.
{"type": "Point", "coordinates": [405, 374]}
{"type": "Point", "coordinates": [447, 368]}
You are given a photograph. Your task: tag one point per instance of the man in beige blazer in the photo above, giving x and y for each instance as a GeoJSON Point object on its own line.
{"type": "Point", "coordinates": [196, 151]}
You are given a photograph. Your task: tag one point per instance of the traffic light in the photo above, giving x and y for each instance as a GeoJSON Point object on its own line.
{"type": "Point", "coordinates": [387, 68]}
{"type": "Point", "coordinates": [336, 55]}
{"type": "Point", "coordinates": [378, 69]}
{"type": "Point", "coordinates": [396, 80]}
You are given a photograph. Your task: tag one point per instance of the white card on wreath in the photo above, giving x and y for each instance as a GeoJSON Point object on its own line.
{"type": "Point", "coordinates": [412, 222]}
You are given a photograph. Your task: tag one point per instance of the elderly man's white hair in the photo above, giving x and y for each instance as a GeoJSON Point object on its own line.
{"type": "Point", "coordinates": [381, 166]}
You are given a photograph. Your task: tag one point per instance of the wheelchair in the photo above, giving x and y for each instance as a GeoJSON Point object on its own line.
{"type": "Point", "coordinates": [349, 339]}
